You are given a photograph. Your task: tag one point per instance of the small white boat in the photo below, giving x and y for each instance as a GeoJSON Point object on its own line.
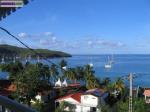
{"type": "Point", "coordinates": [29, 58]}
{"type": "Point", "coordinates": [3, 60]}
{"type": "Point", "coordinates": [112, 59]}
{"type": "Point", "coordinates": [109, 64]}
{"type": "Point", "coordinates": [38, 59]}
{"type": "Point", "coordinates": [14, 60]}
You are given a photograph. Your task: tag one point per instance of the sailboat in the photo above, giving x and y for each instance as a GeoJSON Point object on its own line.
{"type": "Point", "coordinates": [26, 59]}
{"type": "Point", "coordinates": [3, 60]}
{"type": "Point", "coordinates": [29, 57]}
{"type": "Point", "coordinates": [14, 60]}
{"type": "Point", "coordinates": [112, 59]}
{"type": "Point", "coordinates": [38, 59]}
{"type": "Point", "coordinates": [108, 64]}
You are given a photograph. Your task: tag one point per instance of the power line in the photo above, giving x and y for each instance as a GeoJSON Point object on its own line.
{"type": "Point", "coordinates": [129, 77]}
{"type": "Point", "coordinates": [32, 50]}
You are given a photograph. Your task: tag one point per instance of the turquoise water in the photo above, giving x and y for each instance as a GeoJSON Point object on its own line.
{"type": "Point", "coordinates": [123, 65]}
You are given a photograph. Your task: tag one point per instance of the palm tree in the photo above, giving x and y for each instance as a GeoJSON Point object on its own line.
{"type": "Point", "coordinates": [79, 73]}
{"type": "Point", "coordinates": [71, 74]}
{"type": "Point", "coordinates": [63, 105]}
{"type": "Point", "coordinates": [106, 81]}
{"type": "Point", "coordinates": [63, 63]}
{"type": "Point", "coordinates": [90, 79]}
{"type": "Point", "coordinates": [46, 72]}
{"type": "Point", "coordinates": [54, 72]}
{"type": "Point", "coordinates": [119, 84]}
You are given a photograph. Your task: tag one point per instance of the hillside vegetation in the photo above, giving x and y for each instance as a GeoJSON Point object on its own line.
{"type": "Point", "coordinates": [9, 50]}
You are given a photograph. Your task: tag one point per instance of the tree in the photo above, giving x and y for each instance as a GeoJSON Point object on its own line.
{"type": "Point", "coordinates": [27, 83]}
{"type": "Point", "coordinates": [12, 68]}
{"type": "Point", "coordinates": [63, 63]}
{"type": "Point", "coordinates": [39, 106]}
{"type": "Point", "coordinates": [46, 72]}
{"type": "Point", "coordinates": [54, 72]}
{"type": "Point", "coordinates": [71, 74]}
{"type": "Point", "coordinates": [63, 105]}
{"type": "Point", "coordinates": [106, 81]}
{"type": "Point", "coordinates": [90, 79]}
{"type": "Point", "coordinates": [119, 84]}
{"type": "Point", "coordinates": [138, 105]}
{"type": "Point", "coordinates": [79, 73]}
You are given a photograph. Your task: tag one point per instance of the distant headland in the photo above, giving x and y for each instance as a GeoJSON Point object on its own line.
{"type": "Point", "coordinates": [9, 51]}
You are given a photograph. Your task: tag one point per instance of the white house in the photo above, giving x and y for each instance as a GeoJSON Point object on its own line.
{"type": "Point", "coordinates": [88, 101]}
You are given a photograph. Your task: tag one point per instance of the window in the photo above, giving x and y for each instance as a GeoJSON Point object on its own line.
{"type": "Point", "coordinates": [93, 109]}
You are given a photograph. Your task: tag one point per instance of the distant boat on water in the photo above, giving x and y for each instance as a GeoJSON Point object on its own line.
{"type": "Point", "coordinates": [14, 60]}
{"type": "Point", "coordinates": [38, 59]}
{"type": "Point", "coordinates": [112, 59]}
{"type": "Point", "coordinates": [3, 60]}
{"type": "Point", "coordinates": [108, 65]}
{"type": "Point", "coordinates": [29, 58]}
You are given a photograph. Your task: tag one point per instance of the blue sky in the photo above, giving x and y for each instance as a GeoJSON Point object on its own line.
{"type": "Point", "coordinates": [82, 26]}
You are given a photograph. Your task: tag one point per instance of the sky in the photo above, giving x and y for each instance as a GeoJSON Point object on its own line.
{"type": "Point", "coordinates": [82, 26]}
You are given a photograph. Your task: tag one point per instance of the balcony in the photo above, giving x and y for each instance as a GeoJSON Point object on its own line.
{"type": "Point", "coordinates": [8, 105]}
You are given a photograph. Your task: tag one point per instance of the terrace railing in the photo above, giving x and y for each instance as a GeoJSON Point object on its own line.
{"type": "Point", "coordinates": [13, 106]}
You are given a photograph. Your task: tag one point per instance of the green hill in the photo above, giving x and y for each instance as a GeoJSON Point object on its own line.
{"type": "Point", "coordinates": [9, 50]}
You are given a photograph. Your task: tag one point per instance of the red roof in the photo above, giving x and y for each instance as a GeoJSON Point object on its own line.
{"type": "Point", "coordinates": [75, 96]}
{"type": "Point", "coordinates": [147, 92]}
{"type": "Point", "coordinates": [7, 87]}
{"type": "Point", "coordinates": [74, 85]}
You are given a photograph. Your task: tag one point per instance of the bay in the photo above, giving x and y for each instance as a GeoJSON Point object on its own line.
{"type": "Point", "coordinates": [138, 64]}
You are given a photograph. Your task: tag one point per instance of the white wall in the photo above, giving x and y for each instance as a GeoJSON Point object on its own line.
{"type": "Point", "coordinates": [89, 100]}
{"type": "Point", "coordinates": [80, 108]}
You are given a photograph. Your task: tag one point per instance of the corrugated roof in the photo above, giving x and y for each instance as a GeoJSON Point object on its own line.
{"type": "Point", "coordinates": [95, 92]}
{"type": "Point", "coordinates": [4, 11]}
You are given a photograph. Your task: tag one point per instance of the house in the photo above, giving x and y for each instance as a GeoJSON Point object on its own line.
{"type": "Point", "coordinates": [147, 95]}
{"type": "Point", "coordinates": [88, 101]}
{"type": "Point", "coordinates": [7, 87]}
{"type": "Point", "coordinates": [74, 99]}
{"type": "Point", "coordinates": [43, 96]}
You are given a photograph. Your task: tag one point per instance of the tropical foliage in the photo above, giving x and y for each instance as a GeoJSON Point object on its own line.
{"type": "Point", "coordinates": [30, 78]}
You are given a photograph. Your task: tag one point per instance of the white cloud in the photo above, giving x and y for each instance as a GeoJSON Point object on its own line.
{"type": "Point", "coordinates": [22, 34]}
{"type": "Point", "coordinates": [90, 42]}
{"type": "Point", "coordinates": [51, 41]}
{"type": "Point", "coordinates": [96, 43]}
{"type": "Point", "coordinates": [120, 44]}
{"type": "Point", "coordinates": [48, 34]}
{"type": "Point", "coordinates": [44, 42]}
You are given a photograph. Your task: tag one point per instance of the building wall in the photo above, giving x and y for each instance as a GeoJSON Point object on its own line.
{"type": "Point", "coordinates": [81, 108]}
{"type": "Point", "coordinates": [89, 100]}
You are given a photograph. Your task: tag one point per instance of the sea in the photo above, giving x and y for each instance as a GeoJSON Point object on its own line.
{"type": "Point", "coordinates": [123, 65]}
